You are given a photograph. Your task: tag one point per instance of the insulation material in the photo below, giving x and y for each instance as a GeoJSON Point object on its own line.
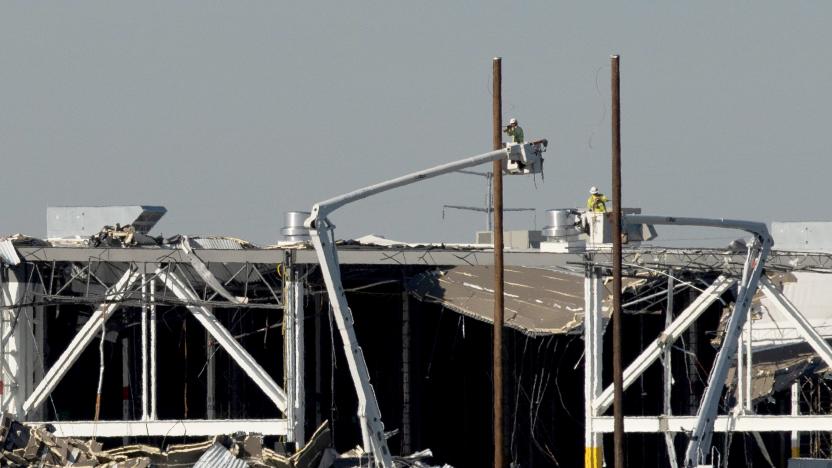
{"type": "Point", "coordinates": [780, 355]}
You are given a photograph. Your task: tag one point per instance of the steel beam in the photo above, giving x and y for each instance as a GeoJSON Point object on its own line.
{"type": "Point", "coordinates": [153, 349]}
{"type": "Point", "coordinates": [709, 260]}
{"type": "Point", "coordinates": [224, 338]}
{"type": "Point", "coordinates": [144, 364]}
{"type": "Point", "coordinates": [81, 340]}
{"type": "Point", "coordinates": [725, 423]}
{"type": "Point", "coordinates": [167, 428]}
{"type": "Point", "coordinates": [654, 350]}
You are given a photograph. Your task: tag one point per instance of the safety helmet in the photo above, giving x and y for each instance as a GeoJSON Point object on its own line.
{"type": "Point", "coordinates": [593, 190]}
{"type": "Point", "coordinates": [512, 121]}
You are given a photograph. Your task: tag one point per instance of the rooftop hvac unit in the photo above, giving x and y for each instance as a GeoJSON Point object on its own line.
{"type": "Point", "coordinates": [67, 222]}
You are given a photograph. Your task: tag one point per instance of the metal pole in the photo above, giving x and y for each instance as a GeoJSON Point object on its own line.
{"type": "Point", "coordinates": [144, 349]}
{"type": "Point", "coordinates": [617, 371]}
{"type": "Point", "coordinates": [497, 348]}
{"type": "Point", "coordinates": [153, 349]}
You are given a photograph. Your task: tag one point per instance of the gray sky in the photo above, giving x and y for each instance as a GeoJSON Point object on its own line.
{"type": "Point", "coordinates": [231, 114]}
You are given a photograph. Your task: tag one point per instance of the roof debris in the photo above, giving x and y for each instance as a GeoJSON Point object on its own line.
{"type": "Point", "coordinates": [25, 445]}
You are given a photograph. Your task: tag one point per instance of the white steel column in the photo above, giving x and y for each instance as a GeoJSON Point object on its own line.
{"type": "Point", "coordinates": [593, 364]}
{"type": "Point", "coordinates": [153, 415]}
{"type": "Point", "coordinates": [795, 411]}
{"type": "Point", "coordinates": [293, 338]}
{"type": "Point", "coordinates": [300, 351]}
{"type": "Point", "coordinates": [144, 370]}
{"type": "Point", "coordinates": [749, 361]}
{"type": "Point", "coordinates": [667, 409]}
{"type": "Point", "coordinates": [289, 346]}
{"type": "Point", "coordinates": [16, 364]}
{"type": "Point", "coordinates": [740, 394]}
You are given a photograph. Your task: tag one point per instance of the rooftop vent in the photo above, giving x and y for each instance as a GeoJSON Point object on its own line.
{"type": "Point", "coordinates": [295, 231]}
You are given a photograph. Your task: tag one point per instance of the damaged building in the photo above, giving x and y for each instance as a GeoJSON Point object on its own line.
{"type": "Point", "coordinates": [124, 348]}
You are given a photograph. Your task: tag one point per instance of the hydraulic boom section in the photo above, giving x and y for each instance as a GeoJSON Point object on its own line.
{"type": "Point", "coordinates": [519, 158]}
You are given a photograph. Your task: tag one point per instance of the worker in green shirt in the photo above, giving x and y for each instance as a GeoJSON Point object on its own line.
{"type": "Point", "coordinates": [514, 131]}
{"type": "Point", "coordinates": [597, 202]}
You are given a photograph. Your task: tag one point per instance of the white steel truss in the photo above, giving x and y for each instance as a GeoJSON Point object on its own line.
{"type": "Point", "coordinates": [224, 338]}
{"type": "Point", "coordinates": [701, 426]}
{"type": "Point", "coordinates": [126, 290]}
{"type": "Point", "coordinates": [81, 340]}
{"type": "Point", "coordinates": [672, 333]}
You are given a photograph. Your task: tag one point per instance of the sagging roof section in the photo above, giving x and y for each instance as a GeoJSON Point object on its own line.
{"type": "Point", "coordinates": [537, 301]}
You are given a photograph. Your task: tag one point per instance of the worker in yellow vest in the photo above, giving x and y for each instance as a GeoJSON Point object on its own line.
{"type": "Point", "coordinates": [597, 202]}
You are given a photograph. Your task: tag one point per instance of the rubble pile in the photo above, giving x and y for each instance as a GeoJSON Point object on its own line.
{"type": "Point", "coordinates": [22, 445]}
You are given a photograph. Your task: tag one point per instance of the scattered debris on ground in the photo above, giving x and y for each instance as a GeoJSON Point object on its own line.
{"type": "Point", "coordinates": [23, 445]}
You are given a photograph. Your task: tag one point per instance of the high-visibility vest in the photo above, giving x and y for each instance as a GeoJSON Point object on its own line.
{"type": "Point", "coordinates": [597, 203]}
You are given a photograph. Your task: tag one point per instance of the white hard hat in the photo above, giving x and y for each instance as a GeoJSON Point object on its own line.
{"type": "Point", "coordinates": [593, 190]}
{"type": "Point", "coordinates": [512, 121]}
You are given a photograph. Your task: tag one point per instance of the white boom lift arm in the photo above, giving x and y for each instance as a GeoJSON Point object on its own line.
{"type": "Point", "coordinates": [525, 158]}
{"type": "Point", "coordinates": [700, 439]}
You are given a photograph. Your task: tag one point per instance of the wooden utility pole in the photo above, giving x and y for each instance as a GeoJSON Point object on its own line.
{"type": "Point", "coordinates": [497, 348]}
{"type": "Point", "coordinates": [617, 372]}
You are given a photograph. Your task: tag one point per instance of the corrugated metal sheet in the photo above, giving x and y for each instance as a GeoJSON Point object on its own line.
{"type": "Point", "coordinates": [220, 243]}
{"type": "Point", "coordinates": [537, 301]}
{"type": "Point", "coordinates": [219, 457]}
{"type": "Point", "coordinates": [8, 253]}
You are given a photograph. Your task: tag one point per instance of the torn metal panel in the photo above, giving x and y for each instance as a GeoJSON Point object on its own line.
{"type": "Point", "coordinates": [310, 455]}
{"type": "Point", "coordinates": [206, 275]}
{"type": "Point", "coordinates": [537, 301]}
{"type": "Point", "coordinates": [219, 457]}
{"type": "Point", "coordinates": [220, 243]}
{"type": "Point", "coordinates": [8, 254]}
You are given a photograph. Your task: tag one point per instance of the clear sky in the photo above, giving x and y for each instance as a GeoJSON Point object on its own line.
{"type": "Point", "coordinates": [230, 114]}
